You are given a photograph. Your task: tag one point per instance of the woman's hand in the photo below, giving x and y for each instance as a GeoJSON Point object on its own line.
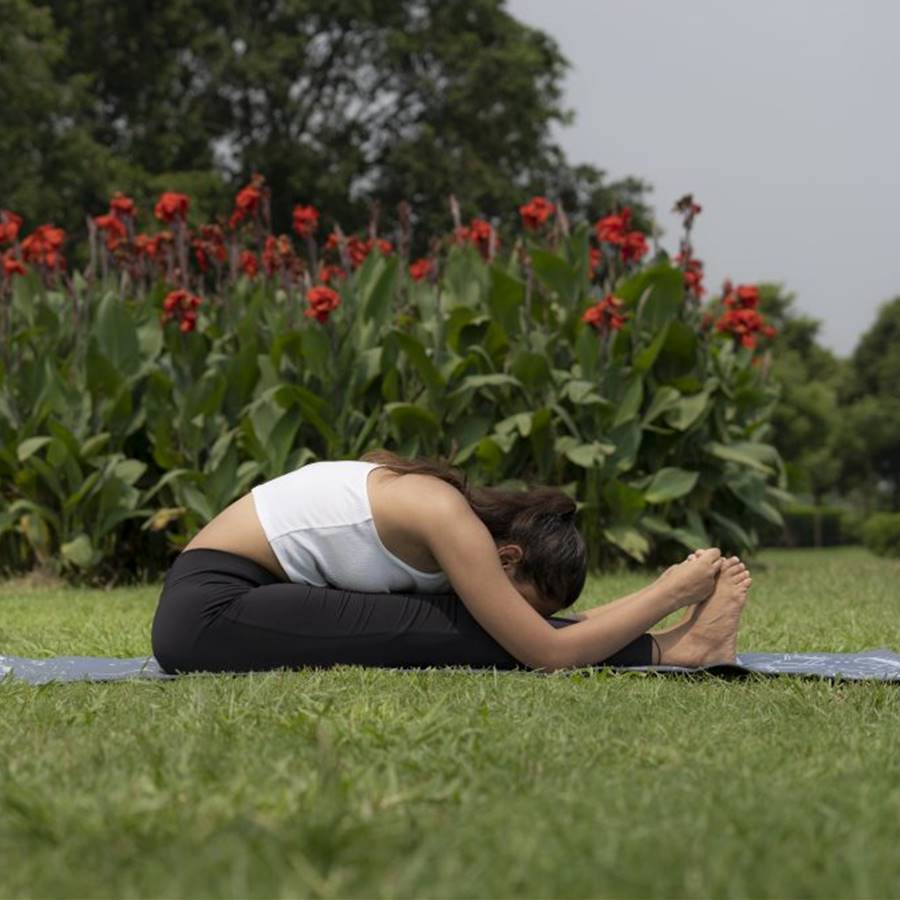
{"type": "Point", "coordinates": [693, 580]}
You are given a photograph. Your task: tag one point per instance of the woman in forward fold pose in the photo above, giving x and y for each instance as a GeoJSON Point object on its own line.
{"type": "Point", "coordinates": [385, 561]}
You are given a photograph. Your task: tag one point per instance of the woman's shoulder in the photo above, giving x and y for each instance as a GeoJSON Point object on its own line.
{"type": "Point", "coordinates": [408, 495]}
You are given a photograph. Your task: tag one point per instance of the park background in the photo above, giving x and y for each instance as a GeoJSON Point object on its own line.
{"type": "Point", "coordinates": [239, 237]}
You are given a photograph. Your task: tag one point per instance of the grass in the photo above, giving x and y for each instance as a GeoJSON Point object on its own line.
{"type": "Point", "coordinates": [449, 784]}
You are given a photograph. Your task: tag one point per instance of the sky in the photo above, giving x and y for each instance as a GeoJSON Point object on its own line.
{"type": "Point", "coordinates": [781, 117]}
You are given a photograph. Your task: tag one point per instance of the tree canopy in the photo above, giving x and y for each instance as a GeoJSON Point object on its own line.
{"type": "Point", "coordinates": [336, 103]}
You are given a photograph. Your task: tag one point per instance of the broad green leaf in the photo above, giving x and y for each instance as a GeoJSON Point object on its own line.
{"type": "Point", "coordinates": [743, 453]}
{"type": "Point", "coordinates": [646, 357]}
{"type": "Point", "coordinates": [663, 400]}
{"type": "Point", "coordinates": [630, 404]}
{"type": "Point", "coordinates": [556, 273]}
{"type": "Point", "coordinates": [505, 299]}
{"type": "Point", "coordinates": [379, 302]}
{"type": "Point", "coordinates": [589, 455]}
{"type": "Point", "coordinates": [116, 334]}
{"type": "Point", "coordinates": [628, 539]}
{"type": "Point", "coordinates": [79, 551]}
{"type": "Point", "coordinates": [687, 411]}
{"type": "Point", "coordinates": [30, 446]}
{"type": "Point", "coordinates": [532, 369]}
{"type": "Point", "coordinates": [412, 420]}
{"type": "Point", "coordinates": [670, 483]}
{"type": "Point", "coordinates": [415, 353]}
{"type": "Point", "coordinates": [624, 501]}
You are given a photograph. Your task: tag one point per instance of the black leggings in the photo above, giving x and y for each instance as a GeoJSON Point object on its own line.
{"type": "Point", "coordinates": [221, 612]}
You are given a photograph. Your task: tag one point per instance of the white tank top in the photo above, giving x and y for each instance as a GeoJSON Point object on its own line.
{"type": "Point", "coordinates": [318, 521]}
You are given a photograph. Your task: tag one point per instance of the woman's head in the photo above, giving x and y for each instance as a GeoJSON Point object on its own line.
{"type": "Point", "coordinates": [537, 539]}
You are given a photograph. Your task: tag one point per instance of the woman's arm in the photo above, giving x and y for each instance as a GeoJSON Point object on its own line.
{"type": "Point", "coordinates": [465, 550]}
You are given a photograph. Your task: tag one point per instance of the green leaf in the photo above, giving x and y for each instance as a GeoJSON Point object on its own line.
{"type": "Point", "coordinates": [628, 539]}
{"type": "Point", "coordinates": [679, 353]}
{"type": "Point", "coordinates": [494, 379]}
{"type": "Point", "coordinates": [645, 359]}
{"type": "Point", "coordinates": [79, 551]}
{"type": "Point", "coordinates": [116, 334]}
{"type": "Point", "coordinates": [30, 446]}
{"type": "Point", "coordinates": [532, 369]}
{"type": "Point", "coordinates": [624, 501]}
{"type": "Point", "coordinates": [687, 411]}
{"type": "Point", "coordinates": [670, 483]}
{"type": "Point", "coordinates": [379, 301]}
{"type": "Point", "coordinates": [664, 399]}
{"type": "Point", "coordinates": [415, 353]}
{"type": "Point", "coordinates": [744, 453]}
{"type": "Point", "coordinates": [556, 273]}
{"type": "Point", "coordinates": [93, 445]}
{"type": "Point", "coordinates": [412, 420]}
{"type": "Point", "coordinates": [630, 404]}
{"type": "Point", "coordinates": [733, 530]}
{"type": "Point", "coordinates": [586, 455]}
{"type": "Point", "coordinates": [655, 295]}
{"type": "Point", "coordinates": [505, 299]}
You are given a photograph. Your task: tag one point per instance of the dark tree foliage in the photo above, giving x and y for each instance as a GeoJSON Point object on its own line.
{"type": "Point", "coordinates": [336, 102]}
{"type": "Point", "coordinates": [871, 426]}
{"type": "Point", "coordinates": [806, 422]}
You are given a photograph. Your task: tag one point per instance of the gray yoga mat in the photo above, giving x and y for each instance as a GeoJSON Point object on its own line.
{"type": "Point", "coordinates": [867, 665]}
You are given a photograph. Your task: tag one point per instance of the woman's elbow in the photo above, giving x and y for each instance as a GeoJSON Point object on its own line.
{"type": "Point", "coordinates": [548, 657]}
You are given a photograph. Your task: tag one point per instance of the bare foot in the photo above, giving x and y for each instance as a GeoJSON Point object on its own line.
{"type": "Point", "coordinates": [709, 634]}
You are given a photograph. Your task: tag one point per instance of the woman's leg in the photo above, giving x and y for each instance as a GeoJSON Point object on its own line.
{"type": "Point", "coordinates": [222, 612]}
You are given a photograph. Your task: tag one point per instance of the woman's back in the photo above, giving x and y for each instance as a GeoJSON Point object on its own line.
{"type": "Point", "coordinates": [328, 523]}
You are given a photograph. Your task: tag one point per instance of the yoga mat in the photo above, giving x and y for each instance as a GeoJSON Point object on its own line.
{"type": "Point", "coordinates": [867, 665]}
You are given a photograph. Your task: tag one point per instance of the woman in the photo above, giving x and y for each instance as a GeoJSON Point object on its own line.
{"type": "Point", "coordinates": [366, 561]}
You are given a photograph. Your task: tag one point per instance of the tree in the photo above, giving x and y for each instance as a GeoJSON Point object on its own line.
{"type": "Point", "coordinates": [806, 422]}
{"type": "Point", "coordinates": [870, 432]}
{"type": "Point", "coordinates": [336, 103]}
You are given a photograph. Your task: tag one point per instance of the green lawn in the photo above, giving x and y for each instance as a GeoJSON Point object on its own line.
{"type": "Point", "coordinates": [365, 783]}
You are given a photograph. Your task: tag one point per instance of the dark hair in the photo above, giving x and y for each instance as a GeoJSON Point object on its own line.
{"type": "Point", "coordinates": [541, 520]}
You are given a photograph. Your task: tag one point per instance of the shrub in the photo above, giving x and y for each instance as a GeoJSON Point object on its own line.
{"type": "Point", "coordinates": [881, 534]}
{"type": "Point", "coordinates": [150, 391]}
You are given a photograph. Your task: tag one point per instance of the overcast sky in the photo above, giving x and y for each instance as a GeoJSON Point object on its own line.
{"type": "Point", "coordinates": [782, 117]}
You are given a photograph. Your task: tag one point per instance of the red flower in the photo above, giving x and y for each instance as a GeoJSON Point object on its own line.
{"type": "Point", "coordinates": [595, 257]}
{"type": "Point", "coordinates": [171, 206]}
{"type": "Point", "coordinates": [693, 274]}
{"type": "Point", "coordinates": [745, 296]}
{"type": "Point", "coordinates": [744, 323]}
{"type": "Point", "coordinates": [279, 255]}
{"type": "Point", "coordinates": [120, 205]}
{"type": "Point", "coordinates": [248, 264]}
{"type": "Point", "coordinates": [180, 305]}
{"type": "Point", "coordinates": [611, 229]}
{"type": "Point", "coordinates": [150, 245]}
{"type": "Point", "coordinates": [634, 246]}
{"type": "Point", "coordinates": [358, 250]}
{"type": "Point", "coordinates": [420, 269]}
{"type": "Point", "coordinates": [478, 233]}
{"type": "Point", "coordinates": [605, 315]}
{"type": "Point", "coordinates": [12, 265]}
{"type": "Point", "coordinates": [306, 220]}
{"type": "Point", "coordinates": [43, 246]}
{"type": "Point", "coordinates": [386, 247]}
{"type": "Point", "coordinates": [9, 226]}
{"type": "Point", "coordinates": [322, 301]}
{"type": "Point", "coordinates": [327, 274]}
{"type": "Point", "coordinates": [535, 213]}
{"type": "Point", "coordinates": [113, 227]}
{"type": "Point", "coordinates": [209, 245]}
